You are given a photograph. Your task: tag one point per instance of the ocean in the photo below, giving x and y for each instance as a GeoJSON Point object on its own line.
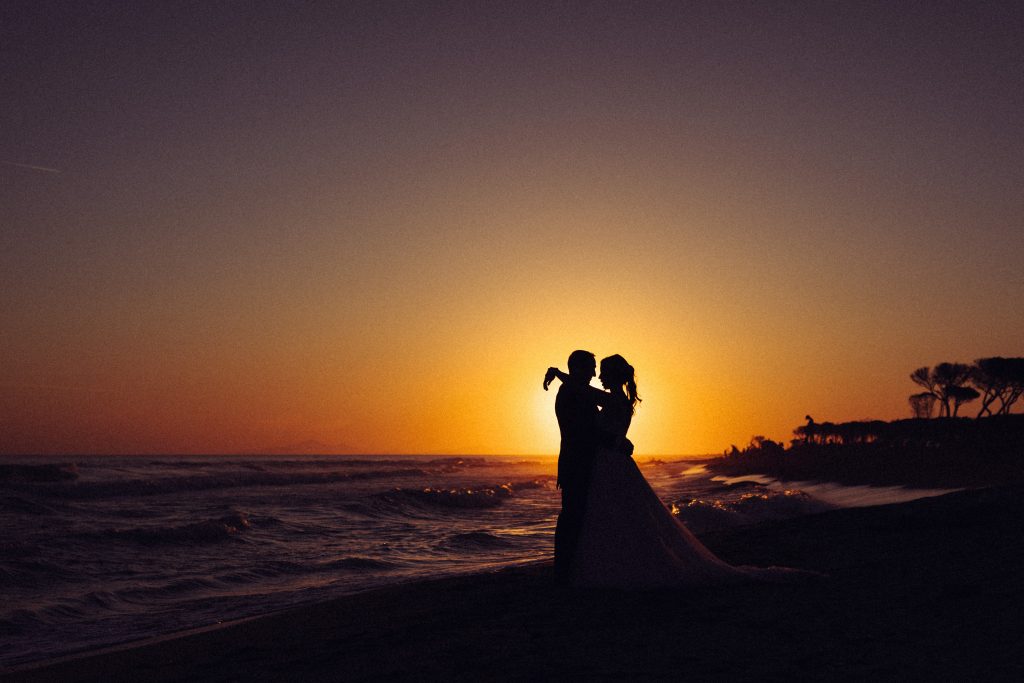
{"type": "Point", "coordinates": [96, 551]}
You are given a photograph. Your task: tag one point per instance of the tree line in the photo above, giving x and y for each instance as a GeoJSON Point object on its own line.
{"type": "Point", "coordinates": [997, 381]}
{"type": "Point", "coordinates": [947, 452]}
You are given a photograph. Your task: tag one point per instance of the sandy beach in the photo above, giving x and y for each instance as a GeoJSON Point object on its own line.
{"type": "Point", "coordinates": [933, 588]}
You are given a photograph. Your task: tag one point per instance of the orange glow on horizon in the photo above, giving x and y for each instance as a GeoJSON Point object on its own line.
{"type": "Point", "coordinates": [453, 367]}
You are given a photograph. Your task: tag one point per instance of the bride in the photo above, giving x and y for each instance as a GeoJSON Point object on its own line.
{"type": "Point", "coordinates": [629, 538]}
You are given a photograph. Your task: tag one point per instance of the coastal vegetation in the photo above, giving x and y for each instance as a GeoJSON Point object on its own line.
{"type": "Point", "coordinates": [950, 385]}
{"type": "Point", "coordinates": [947, 450]}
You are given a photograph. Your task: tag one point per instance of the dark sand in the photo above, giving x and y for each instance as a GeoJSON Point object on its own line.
{"type": "Point", "coordinates": [932, 589]}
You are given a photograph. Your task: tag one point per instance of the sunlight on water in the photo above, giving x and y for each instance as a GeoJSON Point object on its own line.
{"type": "Point", "coordinates": [757, 478]}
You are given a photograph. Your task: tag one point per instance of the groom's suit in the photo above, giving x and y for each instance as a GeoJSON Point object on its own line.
{"type": "Point", "coordinates": [577, 422]}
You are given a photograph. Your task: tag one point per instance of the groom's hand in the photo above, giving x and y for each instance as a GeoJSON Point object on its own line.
{"type": "Point", "coordinates": [549, 377]}
{"type": "Point", "coordinates": [627, 446]}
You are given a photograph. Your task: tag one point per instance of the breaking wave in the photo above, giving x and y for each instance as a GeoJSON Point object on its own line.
{"type": "Point", "coordinates": [467, 498]}
{"type": "Point", "coordinates": [207, 531]}
{"type": "Point", "coordinates": [702, 515]}
{"type": "Point", "coordinates": [485, 497]}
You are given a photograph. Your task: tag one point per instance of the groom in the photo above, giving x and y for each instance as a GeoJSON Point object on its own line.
{"type": "Point", "coordinates": [577, 422]}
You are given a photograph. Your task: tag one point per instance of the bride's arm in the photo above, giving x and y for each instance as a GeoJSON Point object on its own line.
{"type": "Point", "coordinates": [598, 396]}
{"type": "Point", "coordinates": [553, 373]}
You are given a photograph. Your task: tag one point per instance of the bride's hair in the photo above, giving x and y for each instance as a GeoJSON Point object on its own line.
{"type": "Point", "coordinates": [623, 374]}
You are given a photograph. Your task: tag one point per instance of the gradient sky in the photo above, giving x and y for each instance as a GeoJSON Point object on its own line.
{"type": "Point", "coordinates": [231, 226]}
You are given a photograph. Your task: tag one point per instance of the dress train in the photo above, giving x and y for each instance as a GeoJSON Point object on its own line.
{"type": "Point", "coordinates": [631, 540]}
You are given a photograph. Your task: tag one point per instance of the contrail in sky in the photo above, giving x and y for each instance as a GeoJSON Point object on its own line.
{"type": "Point", "coordinates": [45, 169]}
{"type": "Point", "coordinates": [51, 387]}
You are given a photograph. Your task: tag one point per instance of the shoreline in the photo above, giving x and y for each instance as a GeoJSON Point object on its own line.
{"type": "Point", "coordinates": [932, 587]}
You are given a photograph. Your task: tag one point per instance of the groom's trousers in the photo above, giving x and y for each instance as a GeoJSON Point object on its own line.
{"type": "Point", "coordinates": [568, 528]}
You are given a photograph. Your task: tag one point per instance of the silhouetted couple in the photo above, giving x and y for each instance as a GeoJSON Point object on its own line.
{"type": "Point", "coordinates": [613, 530]}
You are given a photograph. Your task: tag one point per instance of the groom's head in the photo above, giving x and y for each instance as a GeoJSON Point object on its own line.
{"type": "Point", "coordinates": [582, 365]}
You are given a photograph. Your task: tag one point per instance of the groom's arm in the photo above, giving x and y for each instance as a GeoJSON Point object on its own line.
{"type": "Point", "coordinates": [593, 395]}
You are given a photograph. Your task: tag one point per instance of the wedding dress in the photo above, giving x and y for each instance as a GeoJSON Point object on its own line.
{"type": "Point", "coordinates": [631, 540]}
